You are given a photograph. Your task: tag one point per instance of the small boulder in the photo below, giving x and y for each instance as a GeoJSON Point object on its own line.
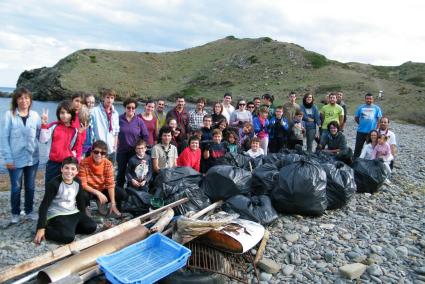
{"type": "Point", "coordinates": [353, 270]}
{"type": "Point", "coordinates": [269, 266]}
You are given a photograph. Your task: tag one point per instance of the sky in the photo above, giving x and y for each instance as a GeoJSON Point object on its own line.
{"type": "Point", "coordinates": [38, 33]}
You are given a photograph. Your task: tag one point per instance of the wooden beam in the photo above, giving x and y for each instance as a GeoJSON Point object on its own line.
{"type": "Point", "coordinates": [64, 251]}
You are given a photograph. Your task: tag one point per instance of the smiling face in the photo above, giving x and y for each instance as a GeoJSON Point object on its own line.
{"type": "Point", "coordinates": [141, 150]}
{"type": "Point", "coordinates": [257, 103]}
{"type": "Point", "coordinates": [217, 108]}
{"type": "Point", "coordinates": [207, 122]}
{"type": "Point", "coordinates": [373, 137]}
{"type": "Point", "coordinates": [217, 138]}
{"type": "Point", "coordinates": [160, 106]}
{"type": "Point", "coordinates": [368, 100]}
{"type": "Point", "coordinates": [130, 109]}
{"type": "Point", "coordinates": [172, 124]}
{"type": "Point", "coordinates": [255, 146]}
{"type": "Point", "coordinates": [194, 145]}
{"type": "Point", "coordinates": [98, 155]}
{"type": "Point", "coordinates": [382, 139]}
{"type": "Point", "coordinates": [332, 99]}
{"type": "Point", "coordinates": [231, 139]}
{"type": "Point", "coordinates": [384, 123]}
{"type": "Point", "coordinates": [65, 116]}
{"type": "Point", "coordinates": [166, 138]}
{"type": "Point", "coordinates": [180, 102]}
{"type": "Point", "coordinates": [24, 102]}
{"type": "Point", "coordinates": [333, 130]}
{"type": "Point", "coordinates": [69, 171]}
{"type": "Point", "coordinates": [242, 105]}
{"type": "Point", "coordinates": [149, 108]}
{"type": "Point", "coordinates": [227, 100]}
{"type": "Point", "coordinates": [278, 113]}
{"type": "Point", "coordinates": [90, 102]}
{"type": "Point", "coordinates": [309, 99]}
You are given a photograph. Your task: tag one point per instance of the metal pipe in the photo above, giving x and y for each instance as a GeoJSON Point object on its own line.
{"type": "Point", "coordinates": [88, 257]}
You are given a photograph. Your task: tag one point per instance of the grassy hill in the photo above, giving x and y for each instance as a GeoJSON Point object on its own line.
{"type": "Point", "coordinates": [245, 67]}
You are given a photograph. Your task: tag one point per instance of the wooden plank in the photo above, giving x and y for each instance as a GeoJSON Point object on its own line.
{"type": "Point", "coordinates": [64, 251]}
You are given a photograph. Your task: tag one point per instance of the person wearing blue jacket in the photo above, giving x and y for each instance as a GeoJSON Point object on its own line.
{"type": "Point", "coordinates": [278, 131]}
{"type": "Point", "coordinates": [261, 127]}
{"type": "Point", "coordinates": [311, 120]}
{"type": "Point", "coordinates": [19, 148]}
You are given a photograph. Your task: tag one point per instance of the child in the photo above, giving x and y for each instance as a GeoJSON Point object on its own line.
{"type": "Point", "coordinates": [279, 131]}
{"type": "Point", "coordinates": [297, 130]}
{"type": "Point", "coordinates": [191, 155]}
{"type": "Point", "coordinates": [261, 125]}
{"type": "Point", "coordinates": [255, 150]}
{"type": "Point", "coordinates": [232, 142]}
{"type": "Point", "coordinates": [139, 168]}
{"type": "Point", "coordinates": [66, 139]}
{"type": "Point", "coordinates": [215, 151]}
{"type": "Point", "coordinates": [62, 210]}
{"type": "Point", "coordinates": [383, 151]}
{"type": "Point", "coordinates": [245, 136]}
{"type": "Point", "coordinates": [206, 129]}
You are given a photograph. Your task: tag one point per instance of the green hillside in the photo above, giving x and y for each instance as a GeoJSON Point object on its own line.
{"type": "Point", "coordinates": [245, 67]}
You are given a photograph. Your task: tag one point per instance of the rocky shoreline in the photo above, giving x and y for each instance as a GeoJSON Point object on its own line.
{"type": "Point", "coordinates": [385, 231]}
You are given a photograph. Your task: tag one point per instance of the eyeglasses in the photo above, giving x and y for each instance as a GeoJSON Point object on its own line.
{"type": "Point", "coordinates": [97, 152]}
{"type": "Point", "coordinates": [242, 104]}
{"type": "Point", "coordinates": [250, 106]}
{"type": "Point", "coordinates": [129, 107]}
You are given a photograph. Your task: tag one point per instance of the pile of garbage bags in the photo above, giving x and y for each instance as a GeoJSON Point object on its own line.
{"type": "Point", "coordinates": [291, 182]}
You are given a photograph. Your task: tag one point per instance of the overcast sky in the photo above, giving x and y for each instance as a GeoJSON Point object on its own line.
{"type": "Point", "coordinates": [38, 33]}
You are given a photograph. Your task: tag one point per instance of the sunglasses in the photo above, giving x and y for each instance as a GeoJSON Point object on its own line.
{"type": "Point", "coordinates": [129, 107]}
{"type": "Point", "coordinates": [242, 104]}
{"type": "Point", "coordinates": [250, 106]}
{"type": "Point", "coordinates": [97, 152]}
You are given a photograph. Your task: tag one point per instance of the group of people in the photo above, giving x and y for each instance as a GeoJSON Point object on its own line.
{"type": "Point", "coordinates": [87, 140]}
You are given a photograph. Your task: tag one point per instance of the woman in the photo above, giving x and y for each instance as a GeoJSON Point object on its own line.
{"type": "Point", "coordinates": [223, 126]}
{"type": "Point", "coordinates": [241, 115]}
{"type": "Point", "coordinates": [311, 120]}
{"type": "Point", "coordinates": [89, 101]}
{"type": "Point", "coordinates": [149, 119]}
{"type": "Point", "coordinates": [372, 141]}
{"type": "Point", "coordinates": [132, 128]}
{"type": "Point", "coordinates": [217, 113]}
{"type": "Point", "coordinates": [19, 148]}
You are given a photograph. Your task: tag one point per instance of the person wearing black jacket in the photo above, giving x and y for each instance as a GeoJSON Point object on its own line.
{"type": "Point", "coordinates": [62, 210]}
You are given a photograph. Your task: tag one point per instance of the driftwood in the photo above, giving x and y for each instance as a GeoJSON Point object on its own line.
{"type": "Point", "coordinates": [66, 250]}
{"type": "Point", "coordinates": [163, 221]}
{"type": "Point", "coordinates": [262, 247]}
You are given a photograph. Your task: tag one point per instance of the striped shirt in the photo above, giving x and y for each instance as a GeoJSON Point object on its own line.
{"type": "Point", "coordinates": [97, 176]}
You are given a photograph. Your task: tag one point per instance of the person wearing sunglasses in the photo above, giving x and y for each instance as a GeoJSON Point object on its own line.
{"type": "Point", "coordinates": [241, 115]}
{"type": "Point", "coordinates": [97, 177]}
{"type": "Point", "coordinates": [132, 128]}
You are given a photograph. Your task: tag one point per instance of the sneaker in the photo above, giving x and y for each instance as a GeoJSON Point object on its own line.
{"type": "Point", "coordinates": [15, 219]}
{"type": "Point", "coordinates": [32, 216]}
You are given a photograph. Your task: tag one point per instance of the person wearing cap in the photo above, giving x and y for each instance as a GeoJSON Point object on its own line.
{"type": "Point", "coordinates": [291, 107]}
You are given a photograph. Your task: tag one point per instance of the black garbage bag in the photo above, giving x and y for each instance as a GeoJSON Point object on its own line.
{"type": "Point", "coordinates": [322, 157]}
{"type": "Point", "coordinates": [137, 203]}
{"type": "Point", "coordinates": [197, 199]}
{"type": "Point", "coordinates": [264, 179]}
{"type": "Point", "coordinates": [239, 160]}
{"type": "Point", "coordinates": [301, 189]}
{"type": "Point", "coordinates": [282, 159]}
{"type": "Point", "coordinates": [340, 184]}
{"type": "Point", "coordinates": [256, 208]}
{"type": "Point", "coordinates": [223, 181]}
{"type": "Point", "coordinates": [345, 156]}
{"type": "Point", "coordinates": [369, 175]}
{"type": "Point", "coordinates": [173, 184]}
{"type": "Point", "coordinates": [171, 180]}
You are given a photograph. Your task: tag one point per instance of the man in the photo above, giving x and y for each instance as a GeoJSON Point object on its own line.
{"type": "Point", "coordinates": [331, 112]}
{"type": "Point", "coordinates": [367, 117]}
{"type": "Point", "coordinates": [391, 139]}
{"type": "Point", "coordinates": [228, 109]}
{"type": "Point", "coordinates": [105, 121]}
{"type": "Point", "coordinates": [291, 107]}
{"type": "Point", "coordinates": [257, 102]}
{"type": "Point", "coordinates": [160, 114]}
{"type": "Point", "coordinates": [180, 115]}
{"type": "Point", "coordinates": [196, 116]}
{"type": "Point", "coordinates": [164, 155]}
{"type": "Point", "coordinates": [97, 178]}
{"type": "Point", "coordinates": [339, 100]}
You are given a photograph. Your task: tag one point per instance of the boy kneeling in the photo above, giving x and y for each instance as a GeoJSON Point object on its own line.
{"type": "Point", "coordinates": [62, 210]}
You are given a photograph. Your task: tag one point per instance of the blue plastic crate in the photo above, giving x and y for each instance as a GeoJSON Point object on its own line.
{"type": "Point", "coordinates": [146, 261]}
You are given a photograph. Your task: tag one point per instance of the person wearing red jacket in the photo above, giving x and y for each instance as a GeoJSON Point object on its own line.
{"type": "Point", "coordinates": [191, 155]}
{"type": "Point", "coordinates": [66, 140]}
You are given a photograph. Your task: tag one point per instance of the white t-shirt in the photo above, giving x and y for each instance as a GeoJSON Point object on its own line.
{"type": "Point", "coordinates": [256, 154]}
{"type": "Point", "coordinates": [227, 111]}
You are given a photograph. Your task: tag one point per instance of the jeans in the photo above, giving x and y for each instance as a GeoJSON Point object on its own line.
{"type": "Point", "coordinates": [360, 139]}
{"type": "Point", "coordinates": [122, 160]}
{"type": "Point", "coordinates": [310, 135]}
{"type": "Point", "coordinates": [28, 173]}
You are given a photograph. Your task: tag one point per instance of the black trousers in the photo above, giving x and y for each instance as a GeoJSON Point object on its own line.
{"type": "Point", "coordinates": [360, 139]}
{"type": "Point", "coordinates": [276, 144]}
{"type": "Point", "coordinates": [120, 196]}
{"type": "Point", "coordinates": [62, 228]}
{"type": "Point", "coordinates": [122, 160]}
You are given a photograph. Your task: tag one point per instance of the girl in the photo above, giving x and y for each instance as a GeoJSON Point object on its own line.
{"type": "Point", "coordinates": [150, 122]}
{"type": "Point", "coordinates": [19, 149]}
{"type": "Point", "coordinates": [89, 101]}
{"type": "Point", "coordinates": [241, 115]}
{"type": "Point", "coordinates": [66, 140]}
{"type": "Point", "coordinates": [367, 150]}
{"type": "Point", "coordinates": [217, 113]}
{"type": "Point", "coordinates": [191, 155]}
{"type": "Point", "coordinates": [261, 124]}
{"type": "Point", "coordinates": [245, 136]}
{"type": "Point", "coordinates": [311, 120]}
{"type": "Point", "coordinates": [232, 142]}
{"type": "Point", "coordinates": [382, 151]}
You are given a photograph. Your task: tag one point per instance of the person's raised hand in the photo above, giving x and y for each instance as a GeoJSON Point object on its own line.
{"type": "Point", "coordinates": [45, 116]}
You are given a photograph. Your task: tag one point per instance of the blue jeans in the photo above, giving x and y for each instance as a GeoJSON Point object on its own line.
{"type": "Point", "coordinates": [53, 169]}
{"type": "Point", "coordinates": [28, 173]}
